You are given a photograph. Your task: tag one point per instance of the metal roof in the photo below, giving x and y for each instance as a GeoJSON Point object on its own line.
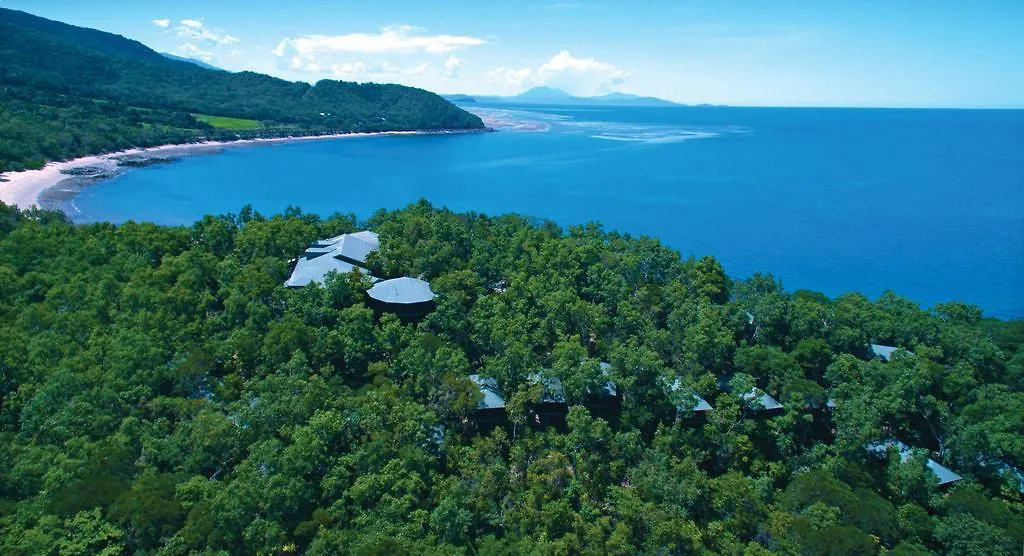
{"type": "Point", "coordinates": [308, 271]}
{"type": "Point", "coordinates": [608, 388]}
{"type": "Point", "coordinates": [402, 290]}
{"type": "Point", "coordinates": [337, 254]}
{"type": "Point", "coordinates": [944, 474]}
{"type": "Point", "coordinates": [885, 352]}
{"type": "Point", "coordinates": [768, 403]}
{"type": "Point", "coordinates": [489, 388]}
{"type": "Point", "coordinates": [553, 391]}
{"type": "Point", "coordinates": [1006, 470]}
{"type": "Point", "coordinates": [699, 403]}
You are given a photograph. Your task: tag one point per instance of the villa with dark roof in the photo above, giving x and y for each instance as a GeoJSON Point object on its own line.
{"type": "Point", "coordinates": [693, 410]}
{"type": "Point", "coordinates": [945, 475]}
{"type": "Point", "coordinates": [552, 409]}
{"type": "Point", "coordinates": [604, 401]}
{"type": "Point", "coordinates": [490, 410]}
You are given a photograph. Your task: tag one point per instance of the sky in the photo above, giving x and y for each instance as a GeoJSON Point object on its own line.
{"type": "Point", "coordinates": [898, 53]}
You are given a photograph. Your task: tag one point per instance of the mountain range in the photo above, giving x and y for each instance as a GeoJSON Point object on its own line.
{"type": "Point", "coordinates": [68, 91]}
{"type": "Point", "coordinates": [199, 63]}
{"type": "Point", "coordinates": [554, 96]}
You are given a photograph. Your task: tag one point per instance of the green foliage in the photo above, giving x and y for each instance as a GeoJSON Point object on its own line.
{"type": "Point", "coordinates": [161, 391]}
{"type": "Point", "coordinates": [223, 122]}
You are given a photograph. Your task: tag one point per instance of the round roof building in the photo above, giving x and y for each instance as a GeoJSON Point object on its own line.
{"type": "Point", "coordinates": [406, 297]}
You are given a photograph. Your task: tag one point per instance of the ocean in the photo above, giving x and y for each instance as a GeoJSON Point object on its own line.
{"type": "Point", "coordinates": [927, 203]}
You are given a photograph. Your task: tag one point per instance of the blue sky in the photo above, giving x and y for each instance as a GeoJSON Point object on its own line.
{"type": "Point", "coordinates": [810, 53]}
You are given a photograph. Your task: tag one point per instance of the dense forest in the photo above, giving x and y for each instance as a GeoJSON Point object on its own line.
{"type": "Point", "coordinates": [161, 391]}
{"type": "Point", "coordinates": [67, 91]}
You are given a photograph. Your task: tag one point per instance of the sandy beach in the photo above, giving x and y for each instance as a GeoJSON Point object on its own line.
{"type": "Point", "coordinates": [24, 188]}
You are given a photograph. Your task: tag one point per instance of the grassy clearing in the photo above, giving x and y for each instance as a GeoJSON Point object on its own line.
{"type": "Point", "coordinates": [223, 122]}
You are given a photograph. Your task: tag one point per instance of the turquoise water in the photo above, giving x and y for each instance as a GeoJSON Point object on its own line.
{"type": "Point", "coordinates": [929, 203]}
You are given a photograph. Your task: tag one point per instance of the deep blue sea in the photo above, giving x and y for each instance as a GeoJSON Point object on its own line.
{"type": "Point", "coordinates": [928, 203]}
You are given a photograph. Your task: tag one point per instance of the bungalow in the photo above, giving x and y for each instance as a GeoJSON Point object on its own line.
{"type": "Point", "coordinates": [1011, 474]}
{"type": "Point", "coordinates": [490, 410]}
{"type": "Point", "coordinates": [605, 401]}
{"type": "Point", "coordinates": [757, 401]}
{"type": "Point", "coordinates": [885, 353]}
{"type": "Point", "coordinates": [693, 411]}
{"type": "Point", "coordinates": [760, 402]}
{"type": "Point", "coordinates": [342, 253]}
{"type": "Point", "coordinates": [881, 447]}
{"type": "Point", "coordinates": [552, 409]}
{"type": "Point", "coordinates": [406, 297]}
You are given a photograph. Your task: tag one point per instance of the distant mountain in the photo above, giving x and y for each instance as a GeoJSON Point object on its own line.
{"type": "Point", "coordinates": [551, 95]}
{"type": "Point", "coordinates": [68, 91]}
{"type": "Point", "coordinates": [545, 95]}
{"type": "Point", "coordinates": [457, 99]}
{"type": "Point", "coordinates": [199, 63]}
{"type": "Point", "coordinates": [624, 99]}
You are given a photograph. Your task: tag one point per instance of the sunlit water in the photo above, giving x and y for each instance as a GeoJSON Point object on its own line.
{"type": "Point", "coordinates": [929, 203]}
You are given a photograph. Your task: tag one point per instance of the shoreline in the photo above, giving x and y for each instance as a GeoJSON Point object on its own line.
{"type": "Point", "coordinates": [25, 189]}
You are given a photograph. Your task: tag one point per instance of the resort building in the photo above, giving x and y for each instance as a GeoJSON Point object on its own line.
{"type": "Point", "coordinates": [756, 401]}
{"type": "Point", "coordinates": [341, 254]}
{"type": "Point", "coordinates": [1012, 475]}
{"type": "Point", "coordinates": [693, 410]}
{"type": "Point", "coordinates": [604, 401]}
{"type": "Point", "coordinates": [552, 408]}
{"type": "Point", "coordinates": [885, 353]}
{"type": "Point", "coordinates": [880, 448]}
{"type": "Point", "coordinates": [760, 402]}
{"type": "Point", "coordinates": [406, 297]}
{"type": "Point", "coordinates": [490, 411]}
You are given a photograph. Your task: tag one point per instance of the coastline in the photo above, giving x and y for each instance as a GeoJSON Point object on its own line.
{"type": "Point", "coordinates": [26, 188]}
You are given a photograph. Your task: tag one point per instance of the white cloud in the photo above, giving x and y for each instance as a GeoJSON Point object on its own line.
{"type": "Point", "coordinates": [578, 76]}
{"type": "Point", "coordinates": [201, 42]}
{"type": "Point", "coordinates": [512, 77]}
{"type": "Point", "coordinates": [357, 71]}
{"type": "Point", "coordinates": [451, 67]}
{"type": "Point", "coordinates": [581, 76]}
{"type": "Point", "coordinates": [348, 70]}
{"type": "Point", "coordinates": [189, 50]}
{"type": "Point", "coordinates": [195, 30]}
{"type": "Point", "coordinates": [331, 55]}
{"type": "Point", "coordinates": [306, 51]}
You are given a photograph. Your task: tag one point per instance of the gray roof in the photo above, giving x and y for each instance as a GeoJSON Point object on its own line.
{"type": "Point", "coordinates": [355, 246]}
{"type": "Point", "coordinates": [489, 388]}
{"type": "Point", "coordinates": [336, 254]}
{"type": "Point", "coordinates": [699, 403]}
{"type": "Point", "coordinates": [608, 388]}
{"type": "Point", "coordinates": [553, 391]}
{"type": "Point", "coordinates": [884, 352]}
{"type": "Point", "coordinates": [944, 474]}
{"type": "Point", "coordinates": [1007, 471]}
{"type": "Point", "coordinates": [402, 290]}
{"type": "Point", "coordinates": [768, 403]}
{"type": "Point", "coordinates": [309, 271]}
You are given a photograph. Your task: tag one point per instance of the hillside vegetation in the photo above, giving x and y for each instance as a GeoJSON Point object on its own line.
{"type": "Point", "coordinates": [66, 91]}
{"type": "Point", "coordinates": [161, 391]}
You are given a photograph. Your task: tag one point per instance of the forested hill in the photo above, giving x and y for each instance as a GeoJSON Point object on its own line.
{"type": "Point", "coordinates": [162, 392]}
{"type": "Point", "coordinates": [68, 91]}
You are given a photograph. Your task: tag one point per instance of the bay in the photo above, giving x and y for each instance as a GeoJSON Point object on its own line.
{"type": "Point", "coordinates": [928, 203]}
